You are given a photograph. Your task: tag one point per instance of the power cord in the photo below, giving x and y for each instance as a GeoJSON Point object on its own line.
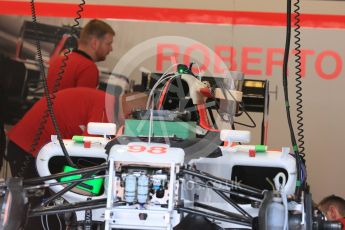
{"type": "Point", "coordinates": [287, 105]}
{"type": "Point", "coordinates": [50, 99]}
{"type": "Point", "coordinates": [298, 64]}
{"type": "Point", "coordinates": [45, 116]}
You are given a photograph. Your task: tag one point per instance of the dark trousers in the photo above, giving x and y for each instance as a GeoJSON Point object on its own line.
{"type": "Point", "coordinates": [2, 143]}
{"type": "Point", "coordinates": [22, 164]}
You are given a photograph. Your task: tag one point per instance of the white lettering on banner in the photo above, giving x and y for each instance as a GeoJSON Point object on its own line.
{"type": "Point", "coordinates": [253, 61]}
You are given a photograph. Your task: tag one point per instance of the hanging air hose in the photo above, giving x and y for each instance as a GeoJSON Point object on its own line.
{"type": "Point", "coordinates": [50, 98]}
{"type": "Point", "coordinates": [298, 78]}
{"type": "Point", "coordinates": [67, 51]}
{"type": "Point", "coordinates": [299, 185]}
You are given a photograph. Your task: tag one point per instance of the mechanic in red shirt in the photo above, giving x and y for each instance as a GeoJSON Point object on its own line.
{"type": "Point", "coordinates": [333, 208]}
{"type": "Point", "coordinates": [74, 108]}
{"type": "Point", "coordinates": [94, 45]}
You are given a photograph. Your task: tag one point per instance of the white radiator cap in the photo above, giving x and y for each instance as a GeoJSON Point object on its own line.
{"type": "Point", "coordinates": [235, 136]}
{"type": "Point", "coordinates": [98, 128]}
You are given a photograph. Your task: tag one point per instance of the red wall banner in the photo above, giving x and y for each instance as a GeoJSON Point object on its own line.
{"type": "Point", "coordinates": [178, 15]}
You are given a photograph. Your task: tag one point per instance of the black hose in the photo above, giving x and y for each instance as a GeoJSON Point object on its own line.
{"type": "Point", "coordinates": [286, 96]}
{"type": "Point", "coordinates": [50, 99]}
{"type": "Point", "coordinates": [298, 64]}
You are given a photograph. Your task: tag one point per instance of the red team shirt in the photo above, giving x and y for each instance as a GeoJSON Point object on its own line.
{"type": "Point", "coordinates": [73, 108]}
{"type": "Point", "coordinates": [342, 220]}
{"type": "Point", "coordinates": [80, 71]}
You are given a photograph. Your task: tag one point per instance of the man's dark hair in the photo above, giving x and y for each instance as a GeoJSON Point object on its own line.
{"type": "Point", "coordinates": [337, 201]}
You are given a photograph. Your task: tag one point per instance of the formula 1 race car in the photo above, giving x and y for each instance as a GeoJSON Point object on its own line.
{"type": "Point", "coordinates": [171, 168]}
